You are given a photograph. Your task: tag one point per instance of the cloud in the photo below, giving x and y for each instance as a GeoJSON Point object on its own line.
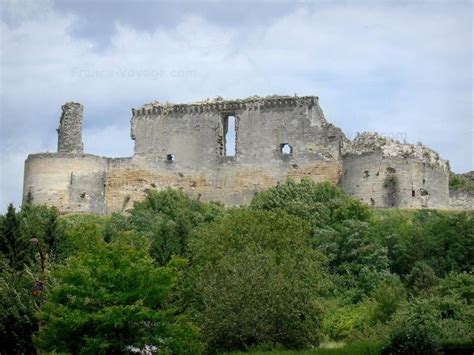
{"type": "Point", "coordinates": [405, 70]}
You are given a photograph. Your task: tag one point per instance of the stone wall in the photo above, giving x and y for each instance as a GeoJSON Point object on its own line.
{"type": "Point", "coordinates": [71, 182]}
{"type": "Point", "coordinates": [461, 200]}
{"type": "Point", "coordinates": [386, 173]}
{"type": "Point", "coordinates": [194, 134]}
{"type": "Point", "coordinates": [394, 181]}
{"type": "Point", "coordinates": [70, 129]}
{"type": "Point", "coordinates": [231, 183]}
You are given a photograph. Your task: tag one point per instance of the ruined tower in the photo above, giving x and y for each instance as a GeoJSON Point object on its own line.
{"type": "Point", "coordinates": [386, 173]}
{"type": "Point", "coordinates": [70, 129]}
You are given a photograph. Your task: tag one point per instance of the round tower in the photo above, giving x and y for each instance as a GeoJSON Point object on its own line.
{"type": "Point", "coordinates": [386, 173]}
{"type": "Point", "coordinates": [70, 129]}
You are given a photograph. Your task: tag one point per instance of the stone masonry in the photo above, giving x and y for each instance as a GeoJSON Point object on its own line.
{"type": "Point", "coordinates": [186, 146]}
{"type": "Point", "coordinates": [70, 129]}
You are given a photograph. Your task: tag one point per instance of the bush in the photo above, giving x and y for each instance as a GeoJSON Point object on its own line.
{"type": "Point", "coordinates": [256, 281]}
{"type": "Point", "coordinates": [421, 278]}
{"type": "Point", "coordinates": [412, 341]}
{"type": "Point", "coordinates": [387, 297]}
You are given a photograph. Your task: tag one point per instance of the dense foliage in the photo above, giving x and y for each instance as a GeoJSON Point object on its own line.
{"type": "Point", "coordinates": [461, 181]}
{"type": "Point", "coordinates": [257, 281]}
{"type": "Point", "coordinates": [304, 264]}
{"type": "Point", "coordinates": [112, 299]}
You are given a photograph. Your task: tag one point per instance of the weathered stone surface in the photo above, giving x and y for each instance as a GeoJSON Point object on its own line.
{"type": "Point", "coordinates": [70, 128]}
{"type": "Point", "coordinates": [461, 199]}
{"type": "Point", "coordinates": [370, 142]}
{"type": "Point", "coordinates": [183, 146]}
{"type": "Point", "coordinates": [386, 173]}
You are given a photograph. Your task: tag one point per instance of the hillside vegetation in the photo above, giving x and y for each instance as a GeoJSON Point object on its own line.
{"type": "Point", "coordinates": [462, 181]}
{"type": "Point", "coordinates": [303, 265]}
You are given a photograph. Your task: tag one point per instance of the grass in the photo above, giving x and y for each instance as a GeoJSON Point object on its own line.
{"type": "Point", "coordinates": [362, 348]}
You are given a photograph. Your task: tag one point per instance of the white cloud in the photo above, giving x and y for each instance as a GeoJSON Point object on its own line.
{"type": "Point", "coordinates": [395, 69]}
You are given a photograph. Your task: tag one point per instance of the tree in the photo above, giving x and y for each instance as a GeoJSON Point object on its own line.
{"type": "Point", "coordinates": [15, 245]}
{"type": "Point", "coordinates": [112, 299]}
{"type": "Point", "coordinates": [421, 278]}
{"type": "Point", "coordinates": [358, 261]}
{"type": "Point", "coordinates": [255, 280]}
{"type": "Point", "coordinates": [320, 203]}
{"type": "Point", "coordinates": [167, 218]}
{"type": "Point", "coordinates": [18, 322]}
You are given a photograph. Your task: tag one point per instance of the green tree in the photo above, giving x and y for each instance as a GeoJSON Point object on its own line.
{"type": "Point", "coordinates": [111, 299]}
{"type": "Point", "coordinates": [442, 240]}
{"type": "Point", "coordinates": [255, 281]}
{"type": "Point", "coordinates": [357, 261]}
{"type": "Point", "coordinates": [421, 278]}
{"type": "Point", "coordinates": [167, 218]}
{"type": "Point", "coordinates": [15, 245]}
{"type": "Point", "coordinates": [18, 322]}
{"type": "Point", "coordinates": [41, 222]}
{"type": "Point", "coordinates": [321, 203]}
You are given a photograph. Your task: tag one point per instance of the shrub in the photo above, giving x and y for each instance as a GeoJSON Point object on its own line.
{"type": "Point", "coordinates": [387, 296]}
{"type": "Point", "coordinates": [421, 278]}
{"type": "Point", "coordinates": [412, 341]}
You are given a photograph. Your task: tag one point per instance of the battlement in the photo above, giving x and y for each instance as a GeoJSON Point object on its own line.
{"type": "Point", "coordinates": [219, 104]}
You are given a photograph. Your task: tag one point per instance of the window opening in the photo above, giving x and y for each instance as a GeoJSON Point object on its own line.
{"type": "Point", "coordinates": [230, 136]}
{"type": "Point", "coordinates": [286, 149]}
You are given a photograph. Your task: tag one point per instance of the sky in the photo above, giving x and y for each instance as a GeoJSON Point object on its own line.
{"type": "Point", "coordinates": [401, 68]}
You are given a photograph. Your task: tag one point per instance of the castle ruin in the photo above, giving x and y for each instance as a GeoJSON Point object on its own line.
{"type": "Point", "coordinates": [228, 150]}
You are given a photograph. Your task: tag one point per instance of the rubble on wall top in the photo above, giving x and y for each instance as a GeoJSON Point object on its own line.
{"type": "Point", "coordinates": [220, 103]}
{"type": "Point", "coordinates": [369, 142]}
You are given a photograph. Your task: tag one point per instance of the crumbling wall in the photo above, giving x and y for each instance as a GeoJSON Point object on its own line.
{"type": "Point", "coordinates": [194, 136]}
{"type": "Point", "coordinates": [386, 173]}
{"type": "Point", "coordinates": [70, 128]}
{"type": "Point", "coordinates": [71, 182]}
{"type": "Point", "coordinates": [194, 133]}
{"type": "Point", "coordinates": [461, 200]}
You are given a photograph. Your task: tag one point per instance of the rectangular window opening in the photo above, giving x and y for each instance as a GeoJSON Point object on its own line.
{"type": "Point", "coordinates": [230, 136]}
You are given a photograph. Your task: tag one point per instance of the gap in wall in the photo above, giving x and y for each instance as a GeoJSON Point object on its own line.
{"type": "Point", "coordinates": [230, 136]}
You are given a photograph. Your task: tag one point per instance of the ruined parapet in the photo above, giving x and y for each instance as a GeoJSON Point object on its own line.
{"type": "Point", "coordinates": [386, 173]}
{"type": "Point", "coordinates": [70, 129]}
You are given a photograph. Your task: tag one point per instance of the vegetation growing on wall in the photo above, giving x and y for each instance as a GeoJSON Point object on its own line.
{"type": "Point", "coordinates": [461, 181]}
{"type": "Point", "coordinates": [303, 265]}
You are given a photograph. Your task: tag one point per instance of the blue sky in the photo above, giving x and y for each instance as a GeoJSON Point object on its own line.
{"type": "Point", "coordinates": [402, 68]}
